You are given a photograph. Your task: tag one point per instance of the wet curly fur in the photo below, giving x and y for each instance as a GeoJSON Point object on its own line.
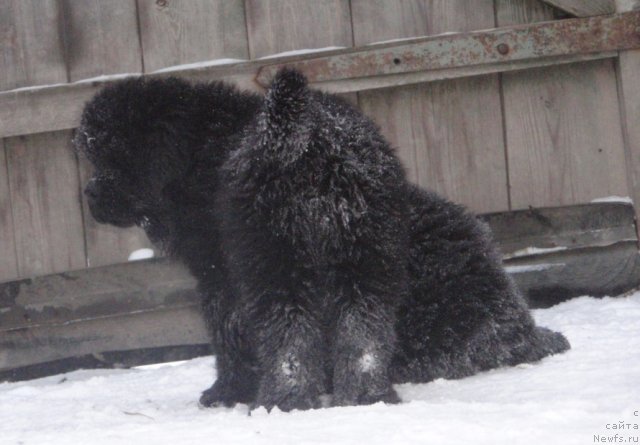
{"type": "Point", "coordinates": [321, 268]}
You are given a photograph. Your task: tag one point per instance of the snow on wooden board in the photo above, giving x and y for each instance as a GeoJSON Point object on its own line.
{"type": "Point", "coordinates": [567, 399]}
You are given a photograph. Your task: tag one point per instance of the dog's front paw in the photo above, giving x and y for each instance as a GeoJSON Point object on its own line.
{"type": "Point", "coordinates": [366, 398]}
{"type": "Point", "coordinates": [362, 379]}
{"type": "Point", "coordinates": [221, 394]}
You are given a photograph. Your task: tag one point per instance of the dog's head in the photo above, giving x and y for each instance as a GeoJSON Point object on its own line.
{"type": "Point", "coordinates": [138, 135]}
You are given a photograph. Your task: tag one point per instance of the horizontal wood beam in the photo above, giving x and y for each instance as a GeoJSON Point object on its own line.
{"type": "Point", "coordinates": [101, 292]}
{"type": "Point", "coordinates": [584, 8]}
{"type": "Point", "coordinates": [571, 227]}
{"type": "Point", "coordinates": [556, 276]}
{"type": "Point", "coordinates": [448, 56]}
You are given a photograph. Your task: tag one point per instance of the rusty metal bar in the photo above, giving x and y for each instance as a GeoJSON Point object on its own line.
{"type": "Point", "coordinates": [478, 52]}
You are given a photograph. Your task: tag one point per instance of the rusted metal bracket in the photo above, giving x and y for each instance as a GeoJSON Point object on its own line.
{"type": "Point", "coordinates": [464, 54]}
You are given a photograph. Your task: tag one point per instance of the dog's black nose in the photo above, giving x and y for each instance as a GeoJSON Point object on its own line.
{"type": "Point", "coordinates": [91, 190]}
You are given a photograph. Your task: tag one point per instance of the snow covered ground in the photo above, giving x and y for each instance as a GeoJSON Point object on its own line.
{"type": "Point", "coordinates": [566, 399]}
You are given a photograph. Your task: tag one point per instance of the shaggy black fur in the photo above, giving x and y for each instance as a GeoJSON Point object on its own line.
{"type": "Point", "coordinates": [464, 313]}
{"type": "Point", "coordinates": [157, 147]}
{"type": "Point", "coordinates": [312, 208]}
{"type": "Point", "coordinates": [332, 254]}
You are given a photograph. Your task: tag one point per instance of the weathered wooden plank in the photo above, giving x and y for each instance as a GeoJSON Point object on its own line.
{"type": "Point", "coordinates": [554, 277]}
{"type": "Point", "coordinates": [31, 47]}
{"type": "Point", "coordinates": [563, 133]}
{"type": "Point", "coordinates": [109, 359]}
{"type": "Point", "coordinates": [628, 69]}
{"type": "Point", "coordinates": [176, 32]}
{"type": "Point", "coordinates": [72, 296]}
{"type": "Point", "coordinates": [275, 26]}
{"type": "Point", "coordinates": [513, 12]}
{"type": "Point", "coordinates": [572, 227]}
{"type": "Point", "coordinates": [446, 139]}
{"type": "Point", "coordinates": [101, 38]}
{"type": "Point", "coordinates": [59, 106]}
{"type": "Point", "coordinates": [627, 5]}
{"type": "Point", "coordinates": [8, 258]}
{"type": "Point", "coordinates": [140, 305]}
{"type": "Point", "coordinates": [44, 188]}
{"type": "Point", "coordinates": [379, 21]}
{"type": "Point", "coordinates": [173, 326]}
{"type": "Point", "coordinates": [449, 134]}
{"type": "Point", "coordinates": [584, 8]}
{"type": "Point", "coordinates": [42, 169]}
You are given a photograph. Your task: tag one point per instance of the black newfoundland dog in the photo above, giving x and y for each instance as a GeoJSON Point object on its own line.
{"type": "Point", "coordinates": [321, 269]}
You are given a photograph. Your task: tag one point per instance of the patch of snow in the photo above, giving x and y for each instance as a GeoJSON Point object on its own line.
{"type": "Point", "coordinates": [32, 88]}
{"type": "Point", "coordinates": [625, 199]}
{"type": "Point", "coordinates": [565, 399]}
{"type": "Point", "coordinates": [367, 362]}
{"type": "Point", "coordinates": [298, 52]}
{"type": "Point", "coordinates": [141, 254]}
{"type": "Point", "coordinates": [290, 366]}
{"type": "Point", "coordinates": [108, 77]}
{"type": "Point", "coordinates": [404, 39]}
{"type": "Point", "coordinates": [533, 251]}
{"type": "Point", "coordinates": [101, 78]}
{"type": "Point", "coordinates": [532, 267]}
{"type": "Point", "coordinates": [204, 64]}
{"type": "Point", "coordinates": [161, 365]}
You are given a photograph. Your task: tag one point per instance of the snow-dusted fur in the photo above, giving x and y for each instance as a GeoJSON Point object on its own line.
{"type": "Point", "coordinates": [464, 313]}
{"type": "Point", "coordinates": [312, 205]}
{"type": "Point", "coordinates": [156, 147]}
{"type": "Point", "coordinates": [330, 272]}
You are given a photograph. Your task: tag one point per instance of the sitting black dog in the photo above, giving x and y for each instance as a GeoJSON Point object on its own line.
{"type": "Point", "coordinates": [313, 206]}
{"type": "Point", "coordinates": [321, 268]}
{"type": "Point", "coordinates": [157, 147]}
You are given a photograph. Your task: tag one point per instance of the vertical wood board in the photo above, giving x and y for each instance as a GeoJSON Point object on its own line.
{"type": "Point", "coordinates": [564, 141]}
{"type": "Point", "coordinates": [448, 134]}
{"type": "Point", "coordinates": [31, 46]}
{"type": "Point", "coordinates": [41, 169]}
{"type": "Point", "coordinates": [101, 38]}
{"type": "Point", "coordinates": [628, 69]}
{"type": "Point", "coordinates": [513, 12]}
{"type": "Point", "coordinates": [8, 257]}
{"type": "Point", "coordinates": [43, 182]}
{"type": "Point", "coordinates": [584, 8]}
{"type": "Point", "coordinates": [176, 32]}
{"type": "Point", "coordinates": [276, 26]}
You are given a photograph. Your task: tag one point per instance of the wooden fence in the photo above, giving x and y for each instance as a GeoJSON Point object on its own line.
{"type": "Point", "coordinates": [552, 135]}
{"type": "Point", "coordinates": [148, 312]}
